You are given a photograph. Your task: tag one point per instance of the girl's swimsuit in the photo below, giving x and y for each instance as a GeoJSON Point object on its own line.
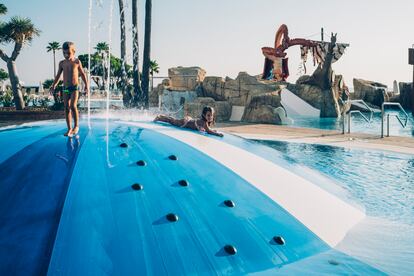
{"type": "Point", "coordinates": [192, 123]}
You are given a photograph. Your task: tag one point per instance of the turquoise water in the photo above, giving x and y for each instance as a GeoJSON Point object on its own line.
{"type": "Point", "coordinates": [383, 183]}
{"type": "Point", "coordinates": [358, 124]}
{"type": "Point", "coordinates": [67, 208]}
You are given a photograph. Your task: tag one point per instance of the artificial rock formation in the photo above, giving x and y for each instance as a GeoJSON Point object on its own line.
{"type": "Point", "coordinates": [373, 93]}
{"type": "Point", "coordinates": [330, 101]}
{"type": "Point", "coordinates": [238, 91]}
{"type": "Point", "coordinates": [309, 93]}
{"type": "Point", "coordinates": [194, 108]}
{"type": "Point", "coordinates": [158, 91]}
{"type": "Point", "coordinates": [405, 94]}
{"type": "Point", "coordinates": [185, 78]}
{"type": "Point", "coordinates": [263, 109]}
{"type": "Point", "coordinates": [330, 85]}
{"type": "Point", "coordinates": [179, 79]}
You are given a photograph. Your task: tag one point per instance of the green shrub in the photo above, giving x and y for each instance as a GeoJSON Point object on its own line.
{"type": "Point", "coordinates": [6, 99]}
{"type": "Point", "coordinates": [44, 101]}
{"type": "Point", "coordinates": [26, 99]}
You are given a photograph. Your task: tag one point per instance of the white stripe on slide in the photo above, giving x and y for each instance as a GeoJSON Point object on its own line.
{"type": "Point", "coordinates": [324, 214]}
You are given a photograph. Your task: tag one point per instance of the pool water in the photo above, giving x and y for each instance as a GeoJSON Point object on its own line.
{"type": "Point", "coordinates": [67, 207]}
{"type": "Point", "coordinates": [358, 124]}
{"type": "Point", "coordinates": [383, 183]}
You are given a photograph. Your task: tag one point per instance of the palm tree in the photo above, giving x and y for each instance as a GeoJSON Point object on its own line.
{"type": "Point", "coordinates": [154, 68]}
{"type": "Point", "coordinates": [3, 9]}
{"type": "Point", "coordinates": [103, 49]}
{"type": "Point", "coordinates": [21, 31]}
{"type": "Point", "coordinates": [147, 52]}
{"type": "Point", "coordinates": [53, 46]}
{"type": "Point", "coordinates": [135, 55]}
{"type": "Point", "coordinates": [126, 96]}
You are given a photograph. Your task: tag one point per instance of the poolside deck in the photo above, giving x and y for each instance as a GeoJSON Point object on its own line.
{"type": "Point", "coordinates": [318, 136]}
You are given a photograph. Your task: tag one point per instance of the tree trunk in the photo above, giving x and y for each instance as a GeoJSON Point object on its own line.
{"type": "Point", "coordinates": [15, 83]}
{"type": "Point", "coordinates": [152, 82]}
{"type": "Point", "coordinates": [135, 56]}
{"type": "Point", "coordinates": [104, 71]}
{"type": "Point", "coordinates": [147, 52]}
{"type": "Point", "coordinates": [54, 64]}
{"type": "Point", "coordinates": [126, 96]}
{"type": "Point", "coordinates": [14, 78]}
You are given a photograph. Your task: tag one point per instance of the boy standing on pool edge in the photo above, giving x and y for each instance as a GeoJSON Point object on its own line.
{"type": "Point", "coordinates": [71, 68]}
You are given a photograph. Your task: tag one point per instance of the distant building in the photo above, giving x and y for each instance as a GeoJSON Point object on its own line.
{"type": "Point", "coordinates": [37, 90]}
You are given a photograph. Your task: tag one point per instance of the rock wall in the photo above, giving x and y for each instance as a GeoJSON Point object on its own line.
{"type": "Point", "coordinates": [222, 108]}
{"type": "Point", "coordinates": [263, 109]}
{"type": "Point", "coordinates": [185, 78]}
{"type": "Point", "coordinates": [371, 92]}
{"type": "Point", "coordinates": [328, 101]}
{"type": "Point", "coordinates": [238, 91]}
{"type": "Point", "coordinates": [405, 94]}
{"type": "Point", "coordinates": [309, 93]}
{"type": "Point", "coordinates": [190, 87]}
{"type": "Point", "coordinates": [154, 94]}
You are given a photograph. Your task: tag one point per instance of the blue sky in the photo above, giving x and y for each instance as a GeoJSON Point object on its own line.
{"type": "Point", "coordinates": [226, 36]}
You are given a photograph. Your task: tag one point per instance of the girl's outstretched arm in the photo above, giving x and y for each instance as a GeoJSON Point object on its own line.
{"type": "Point", "coordinates": [212, 131]}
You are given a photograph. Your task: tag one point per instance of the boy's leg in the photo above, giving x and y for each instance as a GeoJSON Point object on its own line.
{"type": "Point", "coordinates": [68, 117]}
{"type": "Point", "coordinates": [74, 108]}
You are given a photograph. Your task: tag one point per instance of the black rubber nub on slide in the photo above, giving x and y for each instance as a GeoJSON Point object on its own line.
{"type": "Point", "coordinates": [172, 217]}
{"type": "Point", "coordinates": [230, 249]}
{"type": "Point", "coordinates": [173, 157]}
{"type": "Point", "coordinates": [279, 240]}
{"type": "Point", "coordinates": [137, 187]}
{"type": "Point", "coordinates": [183, 183]}
{"type": "Point", "coordinates": [141, 163]}
{"type": "Point", "coordinates": [229, 203]}
{"type": "Point", "coordinates": [123, 145]}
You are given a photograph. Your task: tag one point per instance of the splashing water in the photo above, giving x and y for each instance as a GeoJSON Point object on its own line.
{"type": "Point", "coordinates": [89, 62]}
{"type": "Point", "coordinates": [109, 56]}
{"type": "Point", "coordinates": [99, 3]}
{"type": "Point", "coordinates": [133, 115]}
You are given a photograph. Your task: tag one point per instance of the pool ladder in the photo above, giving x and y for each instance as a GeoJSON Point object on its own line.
{"type": "Point", "coordinates": [357, 112]}
{"type": "Point", "coordinates": [397, 115]}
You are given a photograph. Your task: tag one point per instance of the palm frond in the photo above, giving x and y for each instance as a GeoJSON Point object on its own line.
{"type": "Point", "coordinates": [18, 29]}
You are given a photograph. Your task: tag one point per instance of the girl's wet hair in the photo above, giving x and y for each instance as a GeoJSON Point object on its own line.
{"type": "Point", "coordinates": [204, 112]}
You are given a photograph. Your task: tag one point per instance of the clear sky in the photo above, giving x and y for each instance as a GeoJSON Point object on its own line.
{"type": "Point", "coordinates": [226, 36]}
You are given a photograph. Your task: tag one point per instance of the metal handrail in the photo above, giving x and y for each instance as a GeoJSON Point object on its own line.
{"type": "Point", "coordinates": [358, 112]}
{"type": "Point", "coordinates": [403, 124]}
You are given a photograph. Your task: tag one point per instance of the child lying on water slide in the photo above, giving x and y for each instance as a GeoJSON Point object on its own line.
{"type": "Point", "coordinates": [203, 124]}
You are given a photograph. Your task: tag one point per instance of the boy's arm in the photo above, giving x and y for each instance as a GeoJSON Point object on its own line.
{"type": "Point", "coordinates": [56, 80]}
{"type": "Point", "coordinates": [84, 78]}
